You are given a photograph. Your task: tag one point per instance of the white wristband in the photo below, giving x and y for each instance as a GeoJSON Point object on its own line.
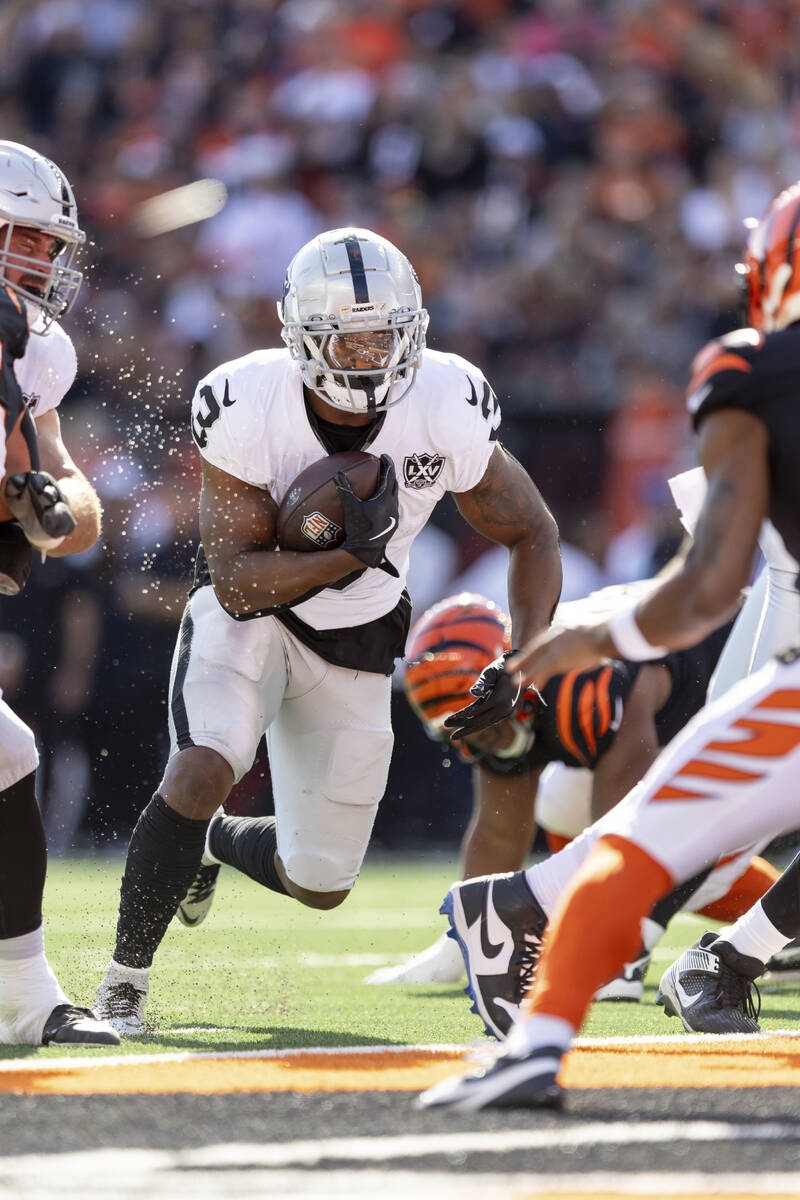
{"type": "Point", "coordinates": [629, 639]}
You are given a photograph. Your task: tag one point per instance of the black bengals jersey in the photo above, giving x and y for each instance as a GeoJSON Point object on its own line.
{"type": "Point", "coordinates": [584, 709]}
{"type": "Point", "coordinates": [759, 373]}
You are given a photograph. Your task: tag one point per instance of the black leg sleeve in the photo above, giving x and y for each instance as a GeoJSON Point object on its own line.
{"type": "Point", "coordinates": [163, 859]}
{"type": "Point", "coordinates": [249, 844]}
{"type": "Point", "coordinates": [23, 859]}
{"type": "Point", "coordinates": [782, 902]}
{"type": "Point", "coordinates": [665, 910]}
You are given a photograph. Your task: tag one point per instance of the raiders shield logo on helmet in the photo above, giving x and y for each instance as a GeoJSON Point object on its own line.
{"type": "Point", "coordinates": [320, 530]}
{"type": "Point", "coordinates": [422, 469]}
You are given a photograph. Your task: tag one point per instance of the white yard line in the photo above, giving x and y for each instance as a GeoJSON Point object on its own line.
{"type": "Point", "coordinates": [143, 1168]}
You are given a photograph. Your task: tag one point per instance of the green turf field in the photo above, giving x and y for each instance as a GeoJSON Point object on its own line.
{"type": "Point", "coordinates": [263, 972]}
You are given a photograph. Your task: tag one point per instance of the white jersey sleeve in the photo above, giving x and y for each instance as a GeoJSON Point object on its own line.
{"type": "Point", "coordinates": [469, 426]}
{"type": "Point", "coordinates": [229, 418]}
{"type": "Point", "coordinates": [47, 369]}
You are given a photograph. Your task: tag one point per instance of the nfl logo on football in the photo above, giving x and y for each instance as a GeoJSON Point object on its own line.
{"type": "Point", "coordinates": [320, 530]}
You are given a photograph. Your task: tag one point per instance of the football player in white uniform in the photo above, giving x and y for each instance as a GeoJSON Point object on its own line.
{"type": "Point", "coordinates": [57, 512]}
{"type": "Point", "coordinates": [301, 646]}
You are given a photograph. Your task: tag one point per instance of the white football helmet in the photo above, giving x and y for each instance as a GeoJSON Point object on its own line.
{"type": "Point", "coordinates": [351, 297]}
{"type": "Point", "coordinates": [35, 194]}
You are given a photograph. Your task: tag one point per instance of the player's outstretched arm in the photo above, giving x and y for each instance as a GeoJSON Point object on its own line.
{"type": "Point", "coordinates": [237, 526]}
{"type": "Point", "coordinates": [83, 501]}
{"type": "Point", "coordinates": [703, 590]}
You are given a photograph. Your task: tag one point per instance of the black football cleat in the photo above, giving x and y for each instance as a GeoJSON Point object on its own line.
{"type": "Point", "coordinates": [69, 1025]}
{"type": "Point", "coordinates": [710, 988]}
{"type": "Point", "coordinates": [499, 924]}
{"type": "Point", "coordinates": [510, 1081]}
{"type": "Point", "coordinates": [785, 965]}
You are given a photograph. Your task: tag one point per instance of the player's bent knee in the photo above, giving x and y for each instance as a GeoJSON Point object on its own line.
{"type": "Point", "coordinates": [320, 900]}
{"type": "Point", "coordinates": [564, 800]}
{"type": "Point", "coordinates": [196, 781]}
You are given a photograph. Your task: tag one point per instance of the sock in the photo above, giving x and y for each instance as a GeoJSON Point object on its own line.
{"type": "Point", "coordinates": [249, 845]}
{"type": "Point", "coordinates": [163, 858]}
{"type": "Point", "coordinates": [617, 885]}
{"type": "Point", "coordinates": [549, 879]}
{"type": "Point", "coordinates": [23, 860]}
{"type": "Point", "coordinates": [29, 991]}
{"type": "Point", "coordinates": [556, 841]}
{"type": "Point", "coordinates": [743, 892]}
{"type": "Point", "coordinates": [538, 1032]}
{"type": "Point", "coordinates": [755, 935]}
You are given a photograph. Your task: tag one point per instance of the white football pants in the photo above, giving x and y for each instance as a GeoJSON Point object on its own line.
{"type": "Point", "coordinates": [328, 731]}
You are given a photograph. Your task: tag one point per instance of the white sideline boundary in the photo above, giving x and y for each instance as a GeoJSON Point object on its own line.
{"type": "Point", "coordinates": [16, 1065]}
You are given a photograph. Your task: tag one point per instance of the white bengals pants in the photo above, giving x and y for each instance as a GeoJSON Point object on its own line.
{"type": "Point", "coordinates": [328, 731]}
{"type": "Point", "coordinates": [728, 781]}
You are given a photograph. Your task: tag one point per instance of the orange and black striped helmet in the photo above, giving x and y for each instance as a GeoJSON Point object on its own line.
{"type": "Point", "coordinates": [446, 651]}
{"type": "Point", "coordinates": [771, 267]}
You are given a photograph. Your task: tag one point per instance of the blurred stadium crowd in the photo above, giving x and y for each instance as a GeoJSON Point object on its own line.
{"type": "Point", "coordinates": [570, 180]}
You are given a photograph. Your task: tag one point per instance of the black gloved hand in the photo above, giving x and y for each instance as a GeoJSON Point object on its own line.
{"type": "Point", "coordinates": [368, 524]}
{"type": "Point", "coordinates": [35, 500]}
{"type": "Point", "coordinates": [497, 696]}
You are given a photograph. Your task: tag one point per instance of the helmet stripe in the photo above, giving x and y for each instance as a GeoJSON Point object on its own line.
{"type": "Point", "coordinates": [356, 261]}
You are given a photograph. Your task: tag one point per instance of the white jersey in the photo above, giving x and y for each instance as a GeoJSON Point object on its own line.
{"type": "Point", "coordinates": [249, 419]}
{"type": "Point", "coordinates": [45, 373]}
{"type": "Point", "coordinates": [47, 369]}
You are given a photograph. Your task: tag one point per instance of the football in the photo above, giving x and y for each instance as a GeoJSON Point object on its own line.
{"type": "Point", "coordinates": [310, 515]}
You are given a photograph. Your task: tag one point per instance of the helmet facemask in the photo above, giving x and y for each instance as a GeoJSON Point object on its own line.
{"type": "Point", "coordinates": [50, 286]}
{"type": "Point", "coordinates": [353, 320]}
{"type": "Point", "coordinates": [324, 346]}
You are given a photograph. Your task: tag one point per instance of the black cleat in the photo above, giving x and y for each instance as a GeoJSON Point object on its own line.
{"type": "Point", "coordinates": [511, 1081]}
{"type": "Point", "coordinates": [69, 1025]}
{"type": "Point", "coordinates": [499, 924]}
{"type": "Point", "coordinates": [710, 988]}
{"type": "Point", "coordinates": [785, 965]}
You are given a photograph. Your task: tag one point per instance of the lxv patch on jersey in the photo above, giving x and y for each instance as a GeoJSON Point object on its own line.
{"type": "Point", "coordinates": [422, 469]}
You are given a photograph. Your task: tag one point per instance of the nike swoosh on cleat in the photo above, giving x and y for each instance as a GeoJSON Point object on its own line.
{"type": "Point", "coordinates": [686, 1000]}
{"type": "Point", "coordinates": [383, 532]}
{"type": "Point", "coordinates": [489, 949]}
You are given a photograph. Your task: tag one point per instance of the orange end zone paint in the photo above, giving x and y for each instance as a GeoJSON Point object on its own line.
{"type": "Point", "coordinates": [766, 1061]}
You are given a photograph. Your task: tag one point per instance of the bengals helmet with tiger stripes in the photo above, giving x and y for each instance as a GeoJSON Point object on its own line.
{"type": "Point", "coordinates": [771, 267]}
{"type": "Point", "coordinates": [446, 651]}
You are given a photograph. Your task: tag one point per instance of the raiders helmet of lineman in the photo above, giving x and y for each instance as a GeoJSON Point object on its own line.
{"type": "Point", "coordinates": [35, 194]}
{"type": "Point", "coordinates": [353, 319]}
{"type": "Point", "coordinates": [771, 267]}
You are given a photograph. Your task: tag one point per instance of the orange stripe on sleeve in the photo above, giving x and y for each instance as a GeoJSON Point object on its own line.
{"type": "Point", "coordinates": [708, 364]}
{"type": "Point", "coordinates": [603, 701]}
{"type": "Point", "coordinates": [585, 715]}
{"type": "Point", "coordinates": [564, 715]}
